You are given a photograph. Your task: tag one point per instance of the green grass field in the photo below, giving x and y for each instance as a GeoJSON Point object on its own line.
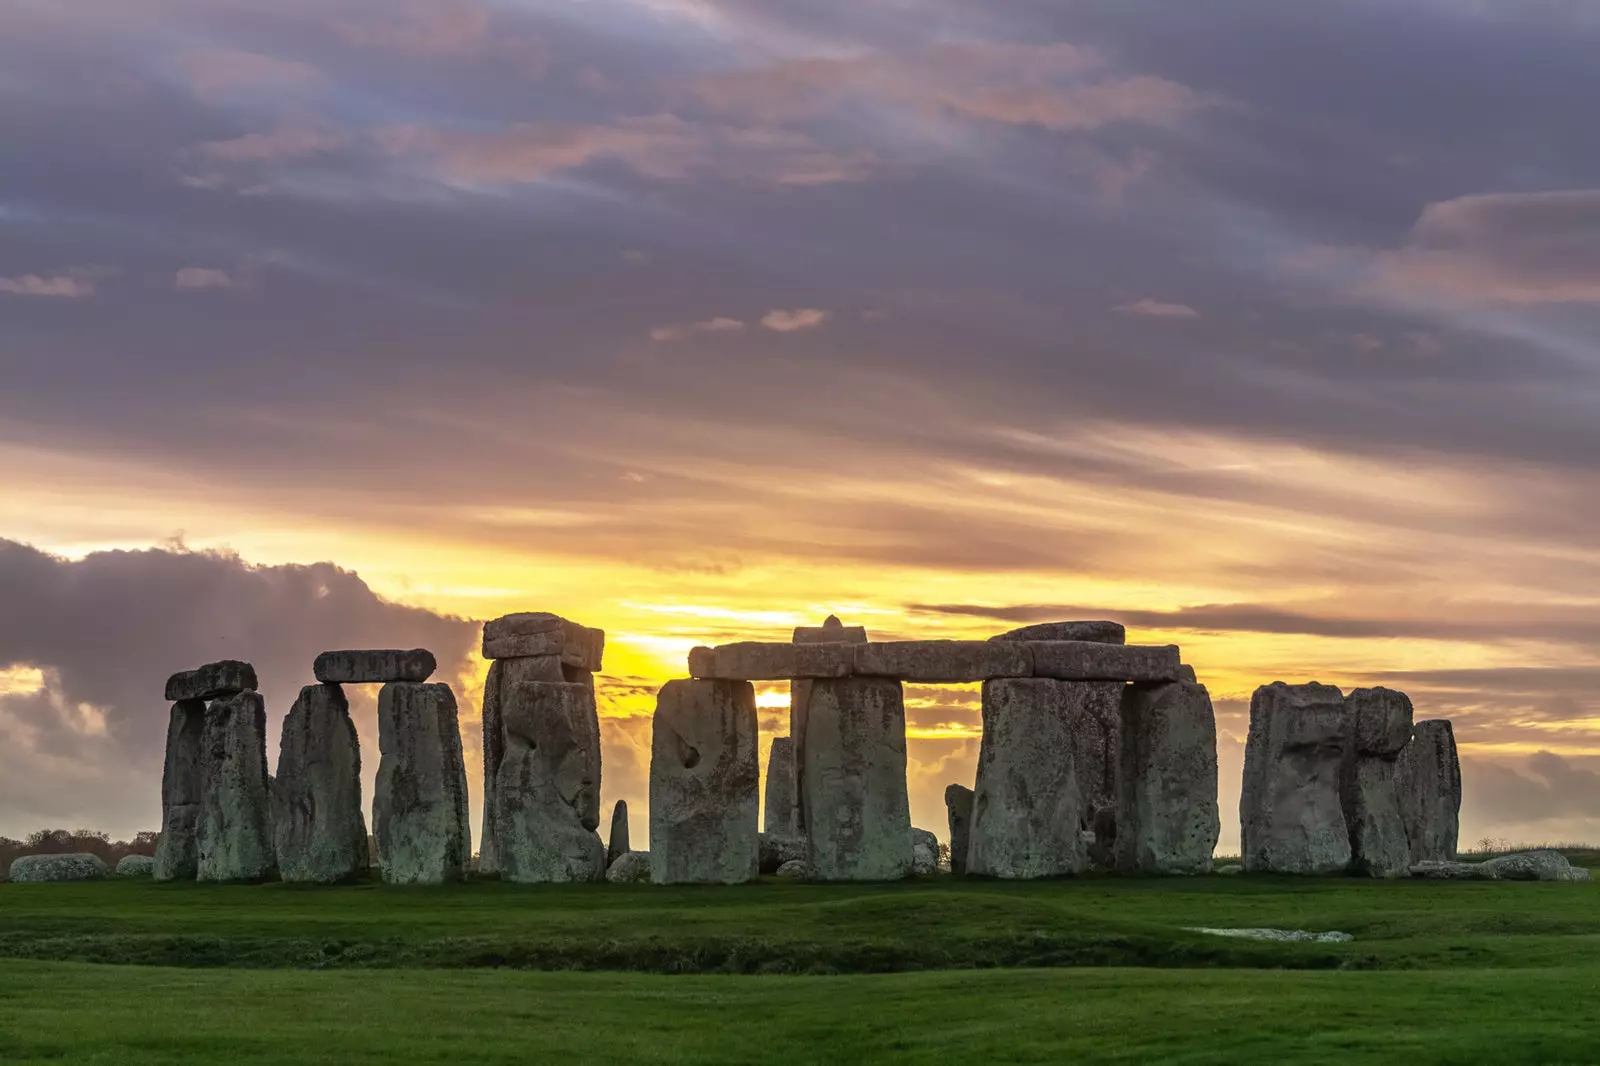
{"type": "Point", "coordinates": [1095, 969]}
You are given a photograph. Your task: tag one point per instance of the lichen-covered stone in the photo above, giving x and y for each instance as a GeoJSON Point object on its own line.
{"type": "Point", "coordinates": [1380, 726]}
{"type": "Point", "coordinates": [1093, 711]}
{"type": "Point", "coordinates": [1026, 809]}
{"type": "Point", "coordinates": [419, 806]}
{"type": "Point", "coordinates": [704, 783]}
{"type": "Point", "coordinates": [536, 634]}
{"type": "Point", "coordinates": [320, 833]}
{"type": "Point", "coordinates": [630, 868]}
{"type": "Point", "coordinates": [617, 844]}
{"type": "Point", "coordinates": [832, 631]}
{"type": "Point", "coordinates": [779, 815]}
{"type": "Point", "coordinates": [178, 849]}
{"type": "Point", "coordinates": [1429, 785]}
{"type": "Point", "coordinates": [81, 866]}
{"type": "Point", "coordinates": [234, 834]}
{"type": "Point", "coordinates": [547, 788]}
{"type": "Point", "coordinates": [1167, 819]}
{"type": "Point", "coordinates": [1094, 632]}
{"type": "Point", "coordinates": [213, 681]}
{"type": "Point", "coordinates": [502, 674]}
{"type": "Point", "coordinates": [1541, 865]}
{"type": "Point", "coordinates": [942, 661]}
{"type": "Point", "coordinates": [136, 866]}
{"type": "Point", "coordinates": [374, 666]}
{"type": "Point", "coordinates": [777, 850]}
{"type": "Point", "coordinates": [1085, 660]}
{"type": "Point", "coordinates": [857, 815]}
{"type": "Point", "coordinates": [958, 810]}
{"type": "Point", "coordinates": [1290, 808]}
{"type": "Point", "coordinates": [795, 870]}
{"type": "Point", "coordinates": [924, 853]}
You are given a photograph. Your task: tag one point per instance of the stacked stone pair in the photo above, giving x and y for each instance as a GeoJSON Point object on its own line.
{"type": "Point", "coordinates": [541, 750]}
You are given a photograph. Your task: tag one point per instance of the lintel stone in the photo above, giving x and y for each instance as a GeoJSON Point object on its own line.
{"type": "Point", "coordinates": [537, 633]}
{"type": "Point", "coordinates": [950, 661]}
{"type": "Point", "coordinates": [1083, 660]}
{"type": "Point", "coordinates": [374, 666]}
{"type": "Point", "coordinates": [212, 681]}
{"type": "Point", "coordinates": [754, 661]}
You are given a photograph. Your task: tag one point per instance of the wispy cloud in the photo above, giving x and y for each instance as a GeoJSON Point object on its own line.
{"type": "Point", "coordinates": [1157, 309]}
{"type": "Point", "coordinates": [793, 321]}
{"type": "Point", "coordinates": [204, 278]}
{"type": "Point", "coordinates": [62, 286]}
{"type": "Point", "coordinates": [710, 325]}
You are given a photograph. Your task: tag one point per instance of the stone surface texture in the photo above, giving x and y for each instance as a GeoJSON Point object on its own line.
{"type": "Point", "coordinates": [942, 661]}
{"type": "Point", "coordinates": [1291, 815]}
{"type": "Point", "coordinates": [1093, 711]}
{"type": "Point", "coordinates": [778, 815]}
{"type": "Point", "coordinates": [1380, 726]}
{"type": "Point", "coordinates": [319, 832]}
{"type": "Point", "coordinates": [795, 870]}
{"type": "Point", "coordinates": [212, 681]}
{"type": "Point", "coordinates": [754, 661]}
{"type": "Point", "coordinates": [1167, 818]}
{"type": "Point", "coordinates": [958, 811]}
{"type": "Point", "coordinates": [1522, 866]}
{"type": "Point", "coordinates": [178, 850]}
{"type": "Point", "coordinates": [234, 834]}
{"type": "Point", "coordinates": [1084, 660]}
{"type": "Point", "coordinates": [853, 781]}
{"type": "Point", "coordinates": [777, 850]}
{"type": "Point", "coordinates": [81, 866]}
{"type": "Point", "coordinates": [536, 634]}
{"type": "Point", "coordinates": [419, 805]}
{"type": "Point", "coordinates": [617, 844]}
{"type": "Point", "coordinates": [924, 852]}
{"type": "Point", "coordinates": [136, 866]}
{"type": "Point", "coordinates": [704, 783]}
{"type": "Point", "coordinates": [373, 666]}
{"type": "Point", "coordinates": [1429, 785]}
{"type": "Point", "coordinates": [547, 788]}
{"type": "Point", "coordinates": [630, 868]}
{"type": "Point", "coordinates": [832, 631]}
{"type": "Point", "coordinates": [504, 673]}
{"type": "Point", "coordinates": [1026, 809]}
{"type": "Point", "coordinates": [1095, 632]}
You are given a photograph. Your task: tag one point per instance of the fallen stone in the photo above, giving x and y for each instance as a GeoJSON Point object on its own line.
{"type": "Point", "coordinates": [1521, 866]}
{"type": "Point", "coordinates": [753, 661]}
{"type": "Point", "coordinates": [1082, 660]}
{"type": "Point", "coordinates": [1380, 726]}
{"type": "Point", "coordinates": [617, 844]}
{"type": "Point", "coordinates": [630, 868]}
{"type": "Point", "coordinates": [548, 786]}
{"type": "Point", "coordinates": [795, 870]}
{"type": "Point", "coordinates": [831, 631]}
{"type": "Point", "coordinates": [212, 681]}
{"type": "Point", "coordinates": [1167, 819]}
{"type": "Point", "coordinates": [779, 814]}
{"type": "Point", "coordinates": [136, 866]}
{"type": "Point", "coordinates": [924, 853]}
{"type": "Point", "coordinates": [178, 849]}
{"type": "Point", "coordinates": [1026, 808]}
{"type": "Point", "coordinates": [1282, 935]}
{"type": "Point", "coordinates": [942, 661]}
{"type": "Point", "coordinates": [234, 832]}
{"type": "Point", "coordinates": [958, 810]}
{"type": "Point", "coordinates": [1429, 784]}
{"type": "Point", "coordinates": [419, 804]}
{"type": "Point", "coordinates": [704, 784]}
{"type": "Point", "coordinates": [1290, 809]}
{"type": "Point", "coordinates": [363, 667]}
{"type": "Point", "coordinates": [777, 850]}
{"type": "Point", "coordinates": [537, 634]}
{"type": "Point", "coordinates": [77, 867]}
{"type": "Point", "coordinates": [319, 832]}
{"type": "Point", "coordinates": [1094, 632]}
{"type": "Point", "coordinates": [853, 780]}
{"type": "Point", "coordinates": [504, 673]}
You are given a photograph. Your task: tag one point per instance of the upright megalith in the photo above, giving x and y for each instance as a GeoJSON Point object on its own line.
{"type": "Point", "coordinates": [1429, 785]}
{"type": "Point", "coordinates": [1093, 711]}
{"type": "Point", "coordinates": [831, 631]}
{"type": "Point", "coordinates": [419, 805]}
{"type": "Point", "coordinates": [617, 844]}
{"type": "Point", "coordinates": [547, 788]}
{"type": "Point", "coordinates": [374, 667]}
{"type": "Point", "coordinates": [318, 827]}
{"type": "Point", "coordinates": [853, 781]}
{"type": "Point", "coordinates": [178, 850]}
{"type": "Point", "coordinates": [1290, 810]}
{"type": "Point", "coordinates": [958, 812]}
{"type": "Point", "coordinates": [1167, 820]}
{"type": "Point", "coordinates": [779, 817]}
{"type": "Point", "coordinates": [1026, 810]}
{"type": "Point", "coordinates": [704, 784]}
{"type": "Point", "coordinates": [234, 833]}
{"type": "Point", "coordinates": [1379, 726]}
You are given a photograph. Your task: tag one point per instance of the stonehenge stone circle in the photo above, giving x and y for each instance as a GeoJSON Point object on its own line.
{"type": "Point", "coordinates": [936, 661]}
{"type": "Point", "coordinates": [853, 781]}
{"type": "Point", "coordinates": [374, 667]}
{"type": "Point", "coordinates": [178, 850]}
{"type": "Point", "coordinates": [704, 784]}
{"type": "Point", "coordinates": [234, 834]}
{"type": "Point", "coordinates": [1380, 726]}
{"type": "Point", "coordinates": [136, 866]}
{"type": "Point", "coordinates": [831, 631]}
{"type": "Point", "coordinates": [779, 813]}
{"type": "Point", "coordinates": [80, 866]}
{"type": "Point", "coordinates": [317, 822]}
{"type": "Point", "coordinates": [1167, 819]}
{"type": "Point", "coordinates": [634, 867]}
{"type": "Point", "coordinates": [617, 843]}
{"type": "Point", "coordinates": [547, 787]}
{"type": "Point", "coordinates": [924, 852]}
{"type": "Point", "coordinates": [1094, 632]}
{"type": "Point", "coordinates": [213, 681]}
{"type": "Point", "coordinates": [1290, 807]}
{"type": "Point", "coordinates": [419, 806]}
{"type": "Point", "coordinates": [1026, 807]}
{"type": "Point", "coordinates": [1429, 784]}
{"type": "Point", "coordinates": [958, 809]}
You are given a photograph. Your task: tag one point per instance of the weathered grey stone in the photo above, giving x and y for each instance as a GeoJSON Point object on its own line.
{"type": "Point", "coordinates": [630, 868]}
{"type": "Point", "coordinates": [754, 661]}
{"type": "Point", "coordinates": [1093, 711]}
{"type": "Point", "coordinates": [1094, 632]}
{"type": "Point", "coordinates": [958, 810]}
{"type": "Point", "coordinates": [1083, 660]}
{"type": "Point", "coordinates": [1186, 673]}
{"type": "Point", "coordinates": [777, 850]}
{"type": "Point", "coordinates": [704, 783]}
{"type": "Point", "coordinates": [1026, 809]}
{"type": "Point", "coordinates": [548, 786]}
{"type": "Point", "coordinates": [1230, 869]}
{"type": "Point", "coordinates": [212, 681]}
{"type": "Point", "coordinates": [1290, 809]}
{"type": "Point", "coordinates": [795, 870]}
{"type": "Point", "coordinates": [136, 866]}
{"type": "Point", "coordinates": [504, 673]}
{"type": "Point", "coordinates": [419, 805]}
{"type": "Point", "coordinates": [1167, 820]}
{"type": "Point", "coordinates": [1429, 784]}
{"type": "Point", "coordinates": [234, 833]}
{"type": "Point", "coordinates": [853, 781]}
{"type": "Point", "coordinates": [81, 866]}
{"type": "Point", "coordinates": [1280, 935]}
{"type": "Point", "coordinates": [320, 834]}
{"type": "Point", "coordinates": [1521, 866]}
{"type": "Point", "coordinates": [779, 816]}
{"type": "Point", "coordinates": [832, 631]}
{"type": "Point", "coordinates": [924, 853]}
{"type": "Point", "coordinates": [178, 849]}
{"type": "Point", "coordinates": [1380, 726]}
{"type": "Point", "coordinates": [942, 661]}
{"type": "Point", "coordinates": [363, 667]}
{"type": "Point", "coordinates": [536, 634]}
{"type": "Point", "coordinates": [617, 844]}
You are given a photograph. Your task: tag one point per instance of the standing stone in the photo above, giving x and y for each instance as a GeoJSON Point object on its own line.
{"type": "Point", "coordinates": [178, 850]}
{"type": "Point", "coordinates": [1429, 783]}
{"type": "Point", "coordinates": [316, 795]}
{"type": "Point", "coordinates": [617, 846]}
{"type": "Point", "coordinates": [547, 789]}
{"type": "Point", "coordinates": [958, 808]}
{"type": "Point", "coordinates": [1167, 820]}
{"type": "Point", "coordinates": [504, 673]}
{"type": "Point", "coordinates": [419, 805]}
{"type": "Point", "coordinates": [1291, 814]}
{"type": "Point", "coordinates": [234, 834]}
{"type": "Point", "coordinates": [853, 781]}
{"type": "Point", "coordinates": [1093, 711]}
{"type": "Point", "coordinates": [924, 853]}
{"type": "Point", "coordinates": [1026, 809]}
{"type": "Point", "coordinates": [704, 776]}
{"type": "Point", "coordinates": [780, 806]}
{"type": "Point", "coordinates": [831, 631]}
{"type": "Point", "coordinates": [1380, 726]}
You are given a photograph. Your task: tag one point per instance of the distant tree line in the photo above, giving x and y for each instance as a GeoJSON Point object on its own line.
{"type": "Point", "coordinates": [73, 841]}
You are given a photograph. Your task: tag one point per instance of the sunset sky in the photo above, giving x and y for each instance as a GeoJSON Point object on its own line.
{"type": "Point", "coordinates": [1271, 330]}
